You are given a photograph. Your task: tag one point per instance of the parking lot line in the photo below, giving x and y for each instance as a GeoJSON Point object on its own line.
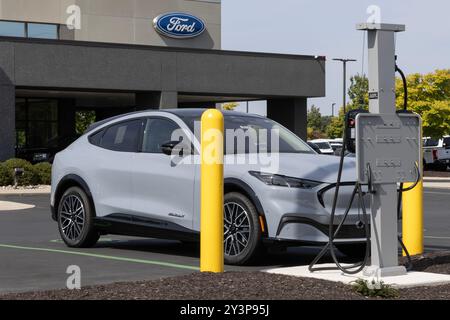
{"type": "Point", "coordinates": [433, 237]}
{"type": "Point", "coordinates": [101, 256]}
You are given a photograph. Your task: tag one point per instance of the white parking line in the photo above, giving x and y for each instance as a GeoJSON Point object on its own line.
{"type": "Point", "coordinates": [432, 192]}
{"type": "Point", "coordinates": [433, 237]}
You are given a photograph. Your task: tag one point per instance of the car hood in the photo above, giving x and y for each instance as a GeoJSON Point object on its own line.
{"type": "Point", "coordinates": [322, 168]}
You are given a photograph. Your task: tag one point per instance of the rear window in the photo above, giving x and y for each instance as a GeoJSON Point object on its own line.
{"type": "Point", "coordinates": [323, 145]}
{"type": "Point", "coordinates": [122, 137]}
{"type": "Point", "coordinates": [431, 143]}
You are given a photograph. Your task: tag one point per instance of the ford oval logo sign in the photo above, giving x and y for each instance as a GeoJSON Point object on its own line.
{"type": "Point", "coordinates": [179, 25]}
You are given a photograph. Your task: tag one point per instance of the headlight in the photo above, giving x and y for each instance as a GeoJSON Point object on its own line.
{"type": "Point", "coordinates": [283, 181]}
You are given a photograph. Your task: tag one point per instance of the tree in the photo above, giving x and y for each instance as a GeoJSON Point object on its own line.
{"type": "Point", "coordinates": [358, 92]}
{"type": "Point", "coordinates": [83, 119]}
{"type": "Point", "coordinates": [359, 99]}
{"type": "Point", "coordinates": [429, 96]}
{"type": "Point", "coordinates": [317, 124]}
{"type": "Point", "coordinates": [230, 106]}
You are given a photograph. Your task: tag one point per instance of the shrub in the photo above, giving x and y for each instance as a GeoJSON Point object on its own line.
{"type": "Point", "coordinates": [6, 178]}
{"type": "Point", "coordinates": [29, 177]}
{"type": "Point", "coordinates": [44, 171]}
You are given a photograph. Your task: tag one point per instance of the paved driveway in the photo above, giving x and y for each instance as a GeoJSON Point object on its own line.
{"type": "Point", "coordinates": [33, 258]}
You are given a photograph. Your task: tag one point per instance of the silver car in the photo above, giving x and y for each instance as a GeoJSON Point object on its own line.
{"type": "Point", "coordinates": [121, 177]}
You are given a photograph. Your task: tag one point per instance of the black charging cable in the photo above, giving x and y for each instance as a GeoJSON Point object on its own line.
{"type": "Point", "coordinates": [332, 233]}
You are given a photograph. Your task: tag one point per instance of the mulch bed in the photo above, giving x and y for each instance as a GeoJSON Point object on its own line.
{"type": "Point", "coordinates": [243, 286]}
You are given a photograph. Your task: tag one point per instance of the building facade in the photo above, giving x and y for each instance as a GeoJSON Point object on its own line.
{"type": "Point", "coordinates": [68, 60]}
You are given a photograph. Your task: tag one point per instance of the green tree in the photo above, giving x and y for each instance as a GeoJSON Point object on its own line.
{"type": "Point", "coordinates": [315, 118]}
{"type": "Point", "coordinates": [429, 96]}
{"type": "Point", "coordinates": [83, 119]}
{"type": "Point", "coordinates": [317, 124]}
{"type": "Point", "coordinates": [359, 99]}
{"type": "Point", "coordinates": [358, 92]}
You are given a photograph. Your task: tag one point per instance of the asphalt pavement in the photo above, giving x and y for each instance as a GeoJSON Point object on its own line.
{"type": "Point", "coordinates": [32, 256]}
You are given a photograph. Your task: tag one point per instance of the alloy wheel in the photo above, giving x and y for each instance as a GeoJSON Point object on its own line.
{"type": "Point", "coordinates": [236, 228]}
{"type": "Point", "coordinates": [72, 217]}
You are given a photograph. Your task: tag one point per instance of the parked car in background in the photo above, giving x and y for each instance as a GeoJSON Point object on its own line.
{"type": "Point", "coordinates": [315, 147]}
{"type": "Point", "coordinates": [47, 154]}
{"type": "Point", "coordinates": [436, 153]}
{"type": "Point", "coordinates": [324, 146]}
{"type": "Point", "coordinates": [124, 176]}
{"type": "Point", "coordinates": [336, 145]}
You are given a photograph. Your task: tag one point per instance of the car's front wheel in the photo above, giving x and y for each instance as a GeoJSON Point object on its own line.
{"type": "Point", "coordinates": [76, 219]}
{"type": "Point", "coordinates": [242, 234]}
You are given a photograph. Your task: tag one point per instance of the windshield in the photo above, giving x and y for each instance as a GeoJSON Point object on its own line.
{"type": "Point", "coordinates": [323, 145]}
{"type": "Point", "coordinates": [431, 143]}
{"type": "Point", "coordinates": [250, 134]}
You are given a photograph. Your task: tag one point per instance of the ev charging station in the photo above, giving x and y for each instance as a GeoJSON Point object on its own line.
{"type": "Point", "coordinates": [388, 145]}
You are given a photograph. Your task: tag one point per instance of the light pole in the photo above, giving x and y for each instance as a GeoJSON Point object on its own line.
{"type": "Point", "coordinates": [344, 65]}
{"type": "Point", "coordinates": [332, 109]}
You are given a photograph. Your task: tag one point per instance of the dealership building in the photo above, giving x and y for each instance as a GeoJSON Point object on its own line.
{"type": "Point", "coordinates": [63, 58]}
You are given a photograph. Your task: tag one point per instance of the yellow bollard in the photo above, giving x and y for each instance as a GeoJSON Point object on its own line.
{"type": "Point", "coordinates": [412, 224]}
{"type": "Point", "coordinates": [211, 192]}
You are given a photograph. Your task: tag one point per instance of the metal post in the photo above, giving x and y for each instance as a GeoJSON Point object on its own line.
{"type": "Point", "coordinates": [332, 109]}
{"type": "Point", "coordinates": [412, 217]}
{"type": "Point", "coordinates": [211, 192]}
{"type": "Point", "coordinates": [384, 242]}
{"type": "Point", "coordinates": [344, 66]}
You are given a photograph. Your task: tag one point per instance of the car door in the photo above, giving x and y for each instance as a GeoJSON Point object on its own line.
{"type": "Point", "coordinates": [163, 189]}
{"type": "Point", "coordinates": [110, 177]}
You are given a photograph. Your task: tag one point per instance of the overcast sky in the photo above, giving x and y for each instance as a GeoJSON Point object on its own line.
{"type": "Point", "coordinates": [327, 27]}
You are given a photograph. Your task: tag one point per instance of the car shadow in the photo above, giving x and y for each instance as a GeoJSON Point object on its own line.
{"type": "Point", "coordinates": [292, 256]}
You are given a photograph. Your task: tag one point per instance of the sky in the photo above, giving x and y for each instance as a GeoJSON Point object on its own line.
{"type": "Point", "coordinates": [327, 27]}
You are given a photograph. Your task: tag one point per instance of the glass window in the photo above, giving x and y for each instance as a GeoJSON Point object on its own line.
{"type": "Point", "coordinates": [43, 110]}
{"type": "Point", "coordinates": [123, 137]}
{"type": "Point", "coordinates": [446, 142]}
{"type": "Point", "coordinates": [431, 143]}
{"type": "Point", "coordinates": [12, 29]}
{"type": "Point", "coordinates": [156, 133]}
{"type": "Point", "coordinates": [323, 145]}
{"type": "Point", "coordinates": [96, 138]}
{"type": "Point", "coordinates": [36, 122]}
{"type": "Point", "coordinates": [44, 31]}
{"type": "Point", "coordinates": [263, 128]}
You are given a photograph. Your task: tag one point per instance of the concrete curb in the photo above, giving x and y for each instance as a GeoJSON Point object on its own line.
{"type": "Point", "coordinates": [412, 279]}
{"type": "Point", "coordinates": [23, 191]}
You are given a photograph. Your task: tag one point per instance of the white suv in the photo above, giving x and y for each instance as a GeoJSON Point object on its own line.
{"type": "Point", "coordinates": [121, 178]}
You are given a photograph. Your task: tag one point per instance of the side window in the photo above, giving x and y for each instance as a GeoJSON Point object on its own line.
{"type": "Point", "coordinates": [96, 138]}
{"type": "Point", "coordinates": [157, 132]}
{"type": "Point", "coordinates": [123, 137]}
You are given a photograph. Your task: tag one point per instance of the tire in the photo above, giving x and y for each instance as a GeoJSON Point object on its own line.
{"type": "Point", "coordinates": [239, 212]}
{"type": "Point", "coordinates": [76, 219]}
{"type": "Point", "coordinates": [353, 250]}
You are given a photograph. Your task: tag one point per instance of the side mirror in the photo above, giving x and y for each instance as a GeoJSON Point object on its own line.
{"type": "Point", "coordinates": [175, 147]}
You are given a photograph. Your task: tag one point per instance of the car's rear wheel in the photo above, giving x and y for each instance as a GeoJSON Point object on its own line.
{"type": "Point", "coordinates": [76, 219]}
{"type": "Point", "coordinates": [242, 234]}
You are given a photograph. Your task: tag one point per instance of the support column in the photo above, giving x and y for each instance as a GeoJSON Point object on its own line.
{"type": "Point", "coordinates": [7, 121]}
{"type": "Point", "coordinates": [291, 113]}
{"type": "Point", "coordinates": [168, 100]}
